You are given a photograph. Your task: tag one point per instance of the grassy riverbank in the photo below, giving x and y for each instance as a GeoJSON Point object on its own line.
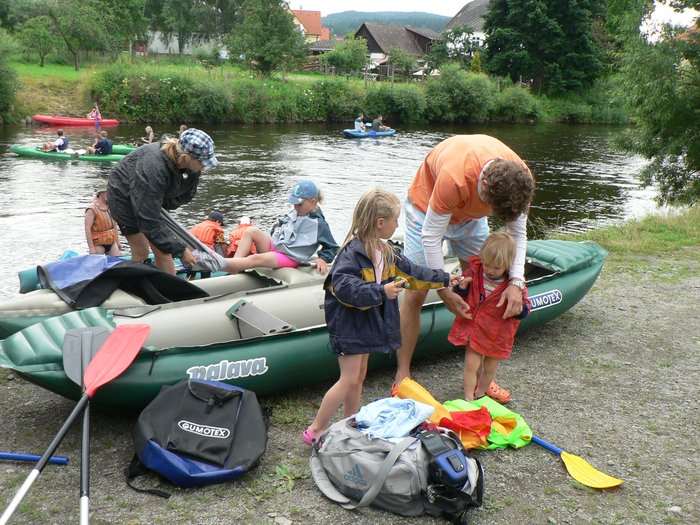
{"type": "Point", "coordinates": [156, 91]}
{"type": "Point", "coordinates": [613, 381]}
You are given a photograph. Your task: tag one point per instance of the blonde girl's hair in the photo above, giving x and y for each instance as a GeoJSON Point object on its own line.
{"type": "Point", "coordinates": [171, 147]}
{"type": "Point", "coordinates": [319, 196]}
{"type": "Point", "coordinates": [498, 249]}
{"type": "Point", "coordinates": [374, 205]}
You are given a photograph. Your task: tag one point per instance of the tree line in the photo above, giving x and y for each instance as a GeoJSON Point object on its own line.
{"type": "Point", "coordinates": [557, 48]}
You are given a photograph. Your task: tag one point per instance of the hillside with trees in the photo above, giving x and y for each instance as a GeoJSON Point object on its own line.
{"type": "Point", "coordinates": [349, 21]}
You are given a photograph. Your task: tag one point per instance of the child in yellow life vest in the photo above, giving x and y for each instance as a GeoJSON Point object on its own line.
{"type": "Point", "coordinates": [237, 234]}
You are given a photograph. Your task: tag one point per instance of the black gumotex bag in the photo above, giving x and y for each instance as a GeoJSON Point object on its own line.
{"type": "Point", "coordinates": [198, 433]}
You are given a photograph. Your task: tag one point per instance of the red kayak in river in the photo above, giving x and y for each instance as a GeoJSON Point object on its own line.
{"type": "Point", "coordinates": [75, 121]}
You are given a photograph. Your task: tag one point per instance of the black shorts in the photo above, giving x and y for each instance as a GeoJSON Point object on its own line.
{"type": "Point", "coordinates": [120, 207]}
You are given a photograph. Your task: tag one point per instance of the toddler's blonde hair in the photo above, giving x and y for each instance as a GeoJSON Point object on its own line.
{"type": "Point", "coordinates": [498, 249]}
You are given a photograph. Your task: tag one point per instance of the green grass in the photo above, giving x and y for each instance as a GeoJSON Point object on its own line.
{"type": "Point", "coordinates": [652, 235]}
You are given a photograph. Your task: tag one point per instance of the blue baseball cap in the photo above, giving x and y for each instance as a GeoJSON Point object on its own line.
{"type": "Point", "coordinates": [200, 146]}
{"type": "Point", "coordinates": [305, 189]}
{"type": "Point", "coordinates": [217, 216]}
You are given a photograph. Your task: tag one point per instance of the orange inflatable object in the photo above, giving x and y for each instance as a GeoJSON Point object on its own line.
{"type": "Point", "coordinates": [409, 389]}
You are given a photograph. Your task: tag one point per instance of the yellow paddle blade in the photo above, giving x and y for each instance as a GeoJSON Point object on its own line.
{"type": "Point", "coordinates": [587, 475]}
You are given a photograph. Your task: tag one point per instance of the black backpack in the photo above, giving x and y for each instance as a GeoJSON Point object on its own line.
{"type": "Point", "coordinates": [198, 433]}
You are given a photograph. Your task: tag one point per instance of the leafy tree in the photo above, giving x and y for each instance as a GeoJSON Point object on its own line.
{"type": "Point", "coordinates": [267, 37]}
{"type": "Point", "coordinates": [621, 24]}
{"type": "Point", "coordinates": [475, 65]}
{"type": "Point", "coordinates": [402, 61]}
{"type": "Point", "coordinates": [548, 41]}
{"type": "Point", "coordinates": [8, 77]}
{"type": "Point", "coordinates": [661, 83]}
{"type": "Point", "coordinates": [82, 24]}
{"type": "Point", "coordinates": [348, 55]}
{"type": "Point", "coordinates": [456, 46]}
{"type": "Point", "coordinates": [125, 22]}
{"type": "Point", "coordinates": [37, 33]}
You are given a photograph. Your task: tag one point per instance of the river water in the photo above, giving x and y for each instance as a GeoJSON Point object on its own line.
{"type": "Point", "coordinates": [582, 183]}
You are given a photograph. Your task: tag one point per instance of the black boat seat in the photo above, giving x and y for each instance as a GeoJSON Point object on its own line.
{"type": "Point", "coordinates": [257, 318]}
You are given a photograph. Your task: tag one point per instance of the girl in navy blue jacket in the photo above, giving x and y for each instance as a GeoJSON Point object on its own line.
{"type": "Point", "coordinates": [361, 304]}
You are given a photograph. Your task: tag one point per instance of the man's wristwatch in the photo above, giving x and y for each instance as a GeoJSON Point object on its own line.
{"type": "Point", "coordinates": [517, 282]}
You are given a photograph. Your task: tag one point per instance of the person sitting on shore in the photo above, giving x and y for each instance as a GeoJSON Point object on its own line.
{"type": "Point", "coordinates": [95, 113]}
{"type": "Point", "coordinates": [60, 144]}
{"type": "Point", "coordinates": [377, 124]}
{"type": "Point", "coordinates": [101, 146]}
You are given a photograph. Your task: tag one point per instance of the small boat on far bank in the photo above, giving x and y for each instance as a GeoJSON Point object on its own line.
{"type": "Point", "coordinates": [263, 330]}
{"type": "Point", "coordinates": [354, 134]}
{"type": "Point", "coordinates": [59, 120]}
{"type": "Point", "coordinates": [38, 153]}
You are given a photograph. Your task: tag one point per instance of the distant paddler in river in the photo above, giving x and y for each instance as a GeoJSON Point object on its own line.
{"type": "Point", "coordinates": [158, 176]}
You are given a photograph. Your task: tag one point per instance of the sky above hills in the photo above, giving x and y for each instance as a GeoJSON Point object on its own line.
{"type": "Point", "coordinates": [443, 7]}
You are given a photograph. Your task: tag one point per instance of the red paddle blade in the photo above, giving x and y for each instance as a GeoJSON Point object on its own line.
{"type": "Point", "coordinates": [115, 355]}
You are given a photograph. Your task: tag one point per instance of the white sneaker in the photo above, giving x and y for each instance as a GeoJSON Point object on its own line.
{"type": "Point", "coordinates": [208, 261]}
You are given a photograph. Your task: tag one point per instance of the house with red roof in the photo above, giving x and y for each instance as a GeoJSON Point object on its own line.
{"type": "Point", "coordinates": [309, 23]}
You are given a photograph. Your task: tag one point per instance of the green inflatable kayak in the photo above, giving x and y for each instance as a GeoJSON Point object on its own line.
{"type": "Point", "coordinates": [37, 153]}
{"type": "Point", "coordinates": [263, 330]}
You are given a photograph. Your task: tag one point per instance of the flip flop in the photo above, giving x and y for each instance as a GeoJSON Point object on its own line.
{"type": "Point", "coordinates": [308, 436]}
{"type": "Point", "coordinates": [497, 393]}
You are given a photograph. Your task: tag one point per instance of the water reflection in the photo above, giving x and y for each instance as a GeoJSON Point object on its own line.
{"type": "Point", "coordinates": [581, 181]}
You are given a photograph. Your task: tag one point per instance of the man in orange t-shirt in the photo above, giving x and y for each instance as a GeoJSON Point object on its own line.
{"type": "Point", "coordinates": [462, 181]}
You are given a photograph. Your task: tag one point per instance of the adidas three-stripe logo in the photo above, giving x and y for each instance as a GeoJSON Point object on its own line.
{"type": "Point", "coordinates": [354, 475]}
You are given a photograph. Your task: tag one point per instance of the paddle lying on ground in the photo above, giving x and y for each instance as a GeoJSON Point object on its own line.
{"type": "Point", "coordinates": [579, 469]}
{"type": "Point", "coordinates": [111, 360]}
{"type": "Point", "coordinates": [19, 456]}
{"type": "Point", "coordinates": [79, 347]}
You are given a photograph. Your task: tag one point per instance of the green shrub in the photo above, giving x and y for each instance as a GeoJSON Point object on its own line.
{"type": "Point", "coordinates": [459, 96]}
{"type": "Point", "coordinates": [514, 104]}
{"type": "Point", "coordinates": [396, 102]}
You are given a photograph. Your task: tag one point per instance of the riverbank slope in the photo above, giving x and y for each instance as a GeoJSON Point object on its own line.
{"type": "Point", "coordinates": [614, 381]}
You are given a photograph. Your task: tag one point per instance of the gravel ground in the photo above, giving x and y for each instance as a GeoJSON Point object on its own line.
{"type": "Point", "coordinates": [615, 381]}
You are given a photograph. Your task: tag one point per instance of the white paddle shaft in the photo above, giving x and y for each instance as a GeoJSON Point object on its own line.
{"type": "Point", "coordinates": [10, 510]}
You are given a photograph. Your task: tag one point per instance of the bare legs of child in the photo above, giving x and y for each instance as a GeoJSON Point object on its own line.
{"type": "Point", "coordinates": [347, 391]}
{"type": "Point", "coordinates": [479, 371]}
{"type": "Point", "coordinates": [243, 260]}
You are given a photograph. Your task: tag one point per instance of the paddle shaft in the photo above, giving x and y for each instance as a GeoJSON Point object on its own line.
{"type": "Point", "coordinates": [10, 510]}
{"type": "Point", "coordinates": [85, 469]}
{"type": "Point", "coordinates": [548, 446]}
{"type": "Point", "coordinates": [18, 456]}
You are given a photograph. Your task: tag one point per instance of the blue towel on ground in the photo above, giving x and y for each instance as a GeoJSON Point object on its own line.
{"type": "Point", "coordinates": [391, 417]}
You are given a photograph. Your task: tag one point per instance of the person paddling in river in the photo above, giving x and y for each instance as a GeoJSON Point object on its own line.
{"type": "Point", "coordinates": [100, 229]}
{"type": "Point", "coordinates": [60, 144]}
{"type": "Point", "coordinates": [361, 302]}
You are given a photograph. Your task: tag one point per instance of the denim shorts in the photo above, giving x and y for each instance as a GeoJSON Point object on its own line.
{"type": "Point", "coordinates": [463, 239]}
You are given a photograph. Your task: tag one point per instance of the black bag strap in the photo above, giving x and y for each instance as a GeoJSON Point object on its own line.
{"type": "Point", "coordinates": [136, 469]}
{"type": "Point", "coordinates": [332, 493]}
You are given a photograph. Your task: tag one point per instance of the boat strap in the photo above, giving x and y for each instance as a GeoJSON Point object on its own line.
{"type": "Point", "coordinates": [257, 318]}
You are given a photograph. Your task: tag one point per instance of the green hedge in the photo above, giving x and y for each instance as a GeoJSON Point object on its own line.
{"type": "Point", "coordinates": [148, 94]}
